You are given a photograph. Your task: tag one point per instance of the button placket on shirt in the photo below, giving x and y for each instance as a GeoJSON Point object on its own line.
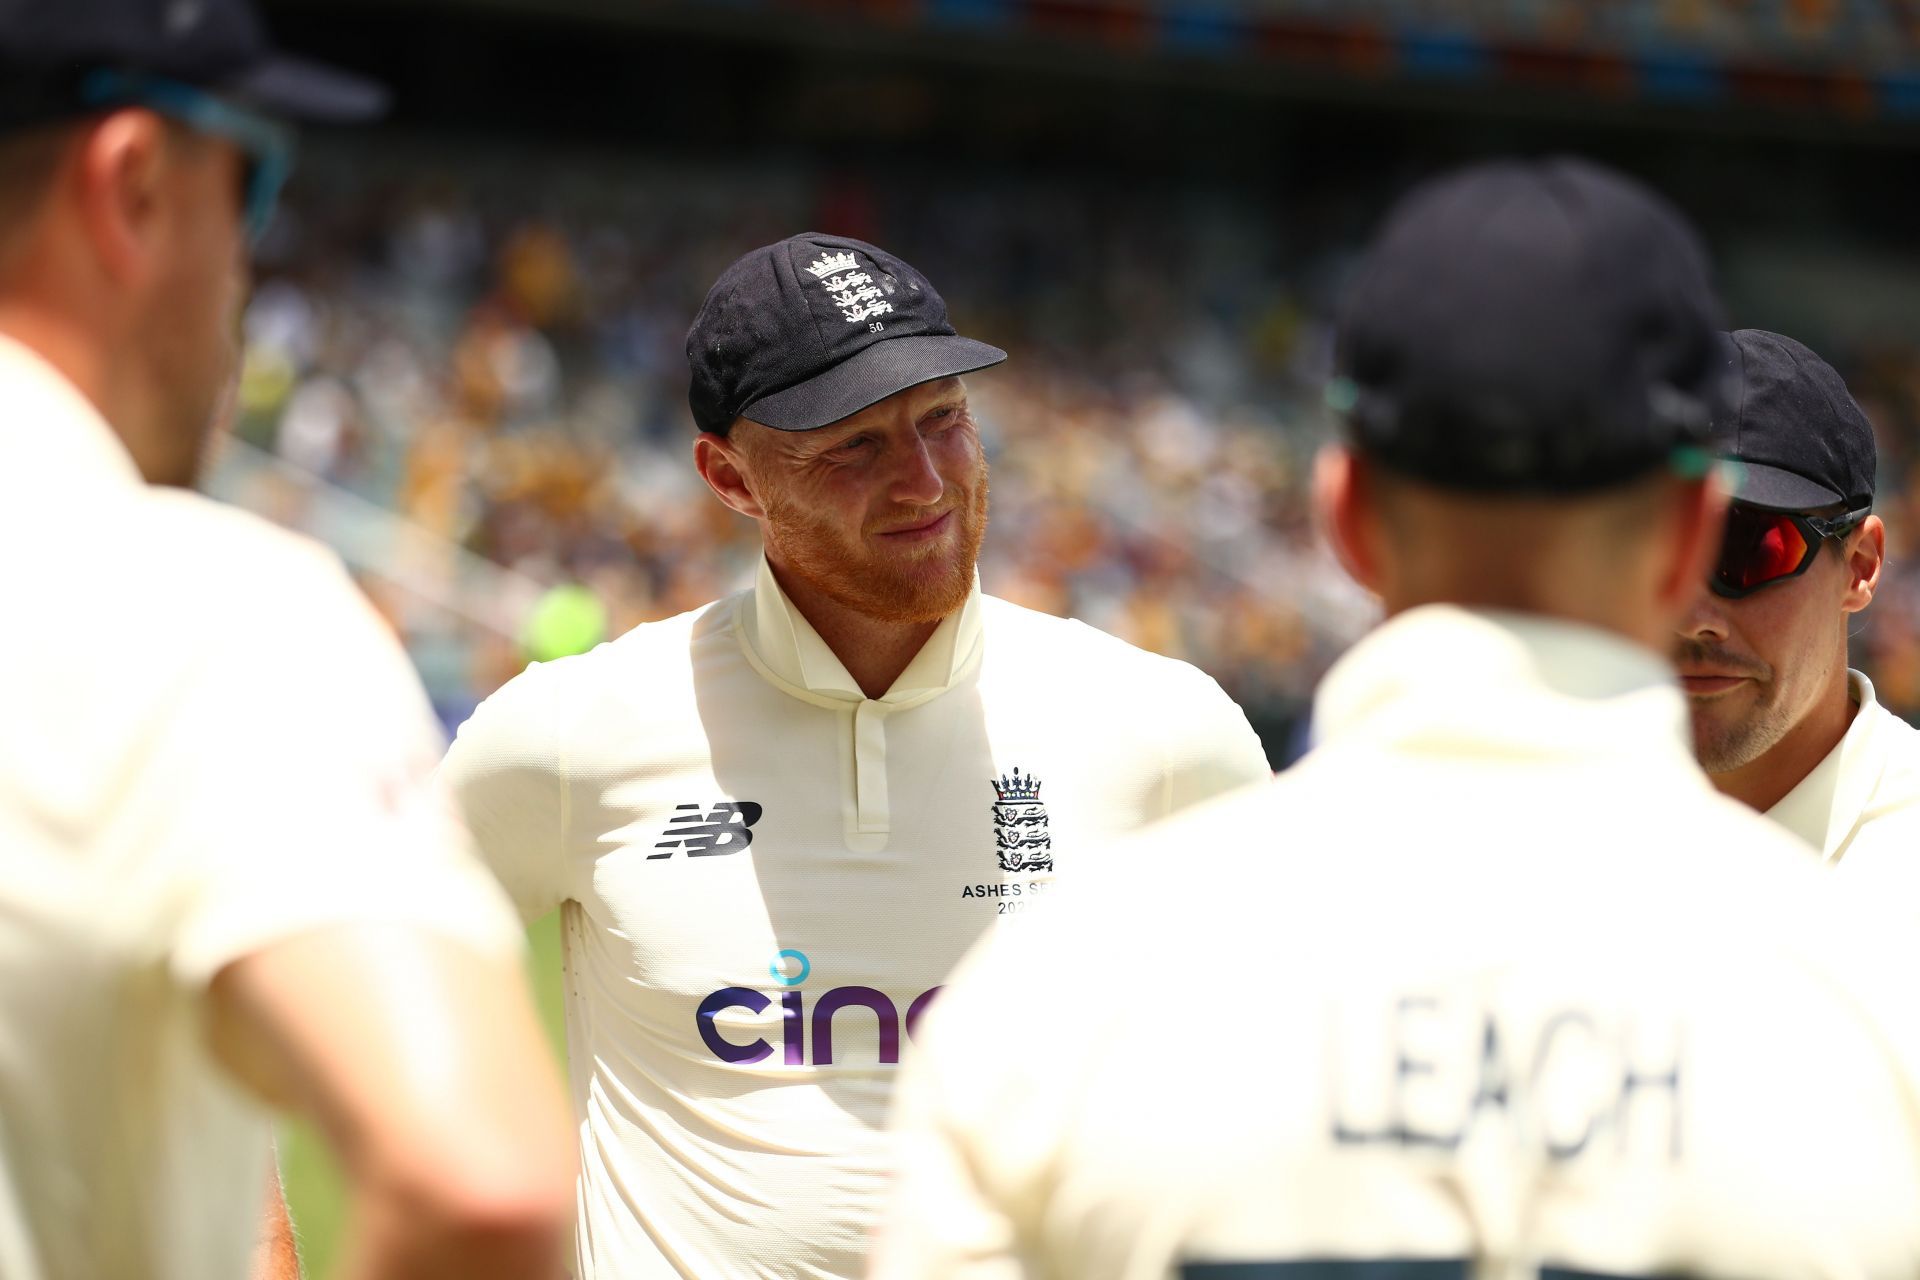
{"type": "Point", "coordinates": [872, 816]}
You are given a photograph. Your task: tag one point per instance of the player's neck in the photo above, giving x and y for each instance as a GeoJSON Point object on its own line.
{"type": "Point", "coordinates": [873, 651]}
{"type": "Point", "coordinates": [67, 345]}
{"type": "Point", "coordinates": [66, 348]}
{"type": "Point", "coordinates": [1765, 782]}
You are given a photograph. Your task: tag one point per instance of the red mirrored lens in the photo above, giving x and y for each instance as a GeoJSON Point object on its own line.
{"type": "Point", "coordinates": [1760, 547]}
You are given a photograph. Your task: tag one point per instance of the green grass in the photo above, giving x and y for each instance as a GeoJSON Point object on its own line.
{"type": "Point", "coordinates": [315, 1194]}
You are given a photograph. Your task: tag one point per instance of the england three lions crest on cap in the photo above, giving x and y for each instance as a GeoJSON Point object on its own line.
{"type": "Point", "coordinates": [853, 290]}
{"type": "Point", "coordinates": [1020, 835]}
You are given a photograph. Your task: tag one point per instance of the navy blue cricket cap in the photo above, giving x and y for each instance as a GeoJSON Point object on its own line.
{"type": "Point", "coordinates": [803, 333]}
{"type": "Point", "coordinates": [1802, 440]}
{"type": "Point", "coordinates": [48, 47]}
{"type": "Point", "coordinates": [1540, 327]}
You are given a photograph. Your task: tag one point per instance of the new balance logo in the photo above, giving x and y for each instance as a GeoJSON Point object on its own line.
{"type": "Point", "coordinates": [726, 828]}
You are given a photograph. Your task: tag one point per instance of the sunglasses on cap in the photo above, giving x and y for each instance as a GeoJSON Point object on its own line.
{"type": "Point", "coordinates": [1765, 547]}
{"type": "Point", "coordinates": [266, 145]}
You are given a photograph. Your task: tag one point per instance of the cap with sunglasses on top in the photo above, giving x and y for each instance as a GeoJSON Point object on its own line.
{"type": "Point", "coordinates": [206, 64]}
{"type": "Point", "coordinates": [1806, 455]}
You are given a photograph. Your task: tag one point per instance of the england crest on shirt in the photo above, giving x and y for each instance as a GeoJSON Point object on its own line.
{"type": "Point", "coordinates": [1020, 835]}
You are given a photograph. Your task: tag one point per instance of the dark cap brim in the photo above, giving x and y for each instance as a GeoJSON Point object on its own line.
{"type": "Point", "coordinates": [869, 376]}
{"type": "Point", "coordinates": [1772, 489]}
{"type": "Point", "coordinates": [297, 89]}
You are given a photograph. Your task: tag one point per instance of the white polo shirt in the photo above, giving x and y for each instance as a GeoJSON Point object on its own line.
{"type": "Point", "coordinates": [1493, 980]}
{"type": "Point", "coordinates": [1861, 805]}
{"type": "Point", "coordinates": [767, 875]}
{"type": "Point", "coordinates": [208, 743]}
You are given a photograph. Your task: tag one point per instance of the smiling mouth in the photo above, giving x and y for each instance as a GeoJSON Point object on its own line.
{"type": "Point", "coordinates": [1707, 685]}
{"type": "Point", "coordinates": [926, 529]}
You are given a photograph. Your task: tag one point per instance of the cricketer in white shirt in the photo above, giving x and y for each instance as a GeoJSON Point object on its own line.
{"type": "Point", "coordinates": [1861, 804]}
{"type": "Point", "coordinates": [1493, 984]}
{"type": "Point", "coordinates": [764, 876]}
{"type": "Point", "coordinates": [210, 745]}
{"type": "Point", "coordinates": [1780, 722]}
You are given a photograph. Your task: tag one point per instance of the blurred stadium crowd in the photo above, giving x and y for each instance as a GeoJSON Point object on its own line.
{"type": "Point", "coordinates": [468, 374]}
{"type": "Point", "coordinates": [1861, 34]}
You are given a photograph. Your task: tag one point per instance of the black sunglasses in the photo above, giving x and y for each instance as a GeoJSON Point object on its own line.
{"type": "Point", "coordinates": [1765, 547]}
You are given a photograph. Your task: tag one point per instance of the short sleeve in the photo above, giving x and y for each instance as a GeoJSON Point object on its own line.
{"type": "Point", "coordinates": [505, 774]}
{"type": "Point", "coordinates": [291, 786]}
{"type": "Point", "coordinates": [964, 1162]}
{"type": "Point", "coordinates": [1210, 747]}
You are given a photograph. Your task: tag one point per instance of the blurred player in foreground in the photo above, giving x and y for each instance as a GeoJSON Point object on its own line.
{"type": "Point", "coordinates": [776, 822]}
{"type": "Point", "coordinates": [1492, 984]}
{"type": "Point", "coordinates": [226, 882]}
{"type": "Point", "coordinates": [1779, 721]}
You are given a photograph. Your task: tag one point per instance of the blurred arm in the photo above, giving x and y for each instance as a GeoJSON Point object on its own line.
{"type": "Point", "coordinates": [941, 1224]}
{"type": "Point", "coordinates": [275, 1257]}
{"type": "Point", "coordinates": [957, 1188]}
{"type": "Point", "coordinates": [420, 1060]}
{"type": "Point", "coordinates": [356, 962]}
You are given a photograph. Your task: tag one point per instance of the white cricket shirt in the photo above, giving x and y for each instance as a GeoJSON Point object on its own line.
{"type": "Point", "coordinates": [1861, 805]}
{"type": "Point", "coordinates": [766, 876]}
{"type": "Point", "coordinates": [208, 743]}
{"type": "Point", "coordinates": [1493, 980]}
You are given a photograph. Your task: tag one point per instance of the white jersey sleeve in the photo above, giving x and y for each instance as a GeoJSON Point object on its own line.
{"type": "Point", "coordinates": [506, 774]}
{"type": "Point", "coordinates": [293, 782]}
{"type": "Point", "coordinates": [1209, 745]}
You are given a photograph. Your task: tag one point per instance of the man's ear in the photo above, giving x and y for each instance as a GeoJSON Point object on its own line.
{"type": "Point", "coordinates": [1343, 503]}
{"type": "Point", "coordinates": [118, 185]}
{"type": "Point", "coordinates": [719, 461]}
{"type": "Point", "coordinates": [1866, 553]}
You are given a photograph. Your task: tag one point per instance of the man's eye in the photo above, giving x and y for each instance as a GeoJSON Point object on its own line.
{"type": "Point", "coordinates": [941, 417]}
{"type": "Point", "coordinates": [849, 447]}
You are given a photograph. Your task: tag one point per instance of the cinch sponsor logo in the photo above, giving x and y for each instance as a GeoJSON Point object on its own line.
{"type": "Point", "coordinates": [803, 1029]}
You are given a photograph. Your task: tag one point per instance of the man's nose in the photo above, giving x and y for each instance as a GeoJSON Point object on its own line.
{"type": "Point", "coordinates": [916, 481]}
{"type": "Point", "coordinates": [1706, 620]}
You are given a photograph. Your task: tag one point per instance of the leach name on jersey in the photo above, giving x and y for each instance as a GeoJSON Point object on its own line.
{"type": "Point", "coordinates": [765, 876]}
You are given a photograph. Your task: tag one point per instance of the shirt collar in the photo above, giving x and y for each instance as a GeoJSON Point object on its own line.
{"type": "Point", "coordinates": [1476, 679]}
{"type": "Point", "coordinates": [793, 653]}
{"type": "Point", "coordinates": [50, 433]}
{"type": "Point", "coordinates": [1825, 807]}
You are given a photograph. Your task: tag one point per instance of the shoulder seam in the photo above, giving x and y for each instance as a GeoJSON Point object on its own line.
{"type": "Point", "coordinates": [563, 782]}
